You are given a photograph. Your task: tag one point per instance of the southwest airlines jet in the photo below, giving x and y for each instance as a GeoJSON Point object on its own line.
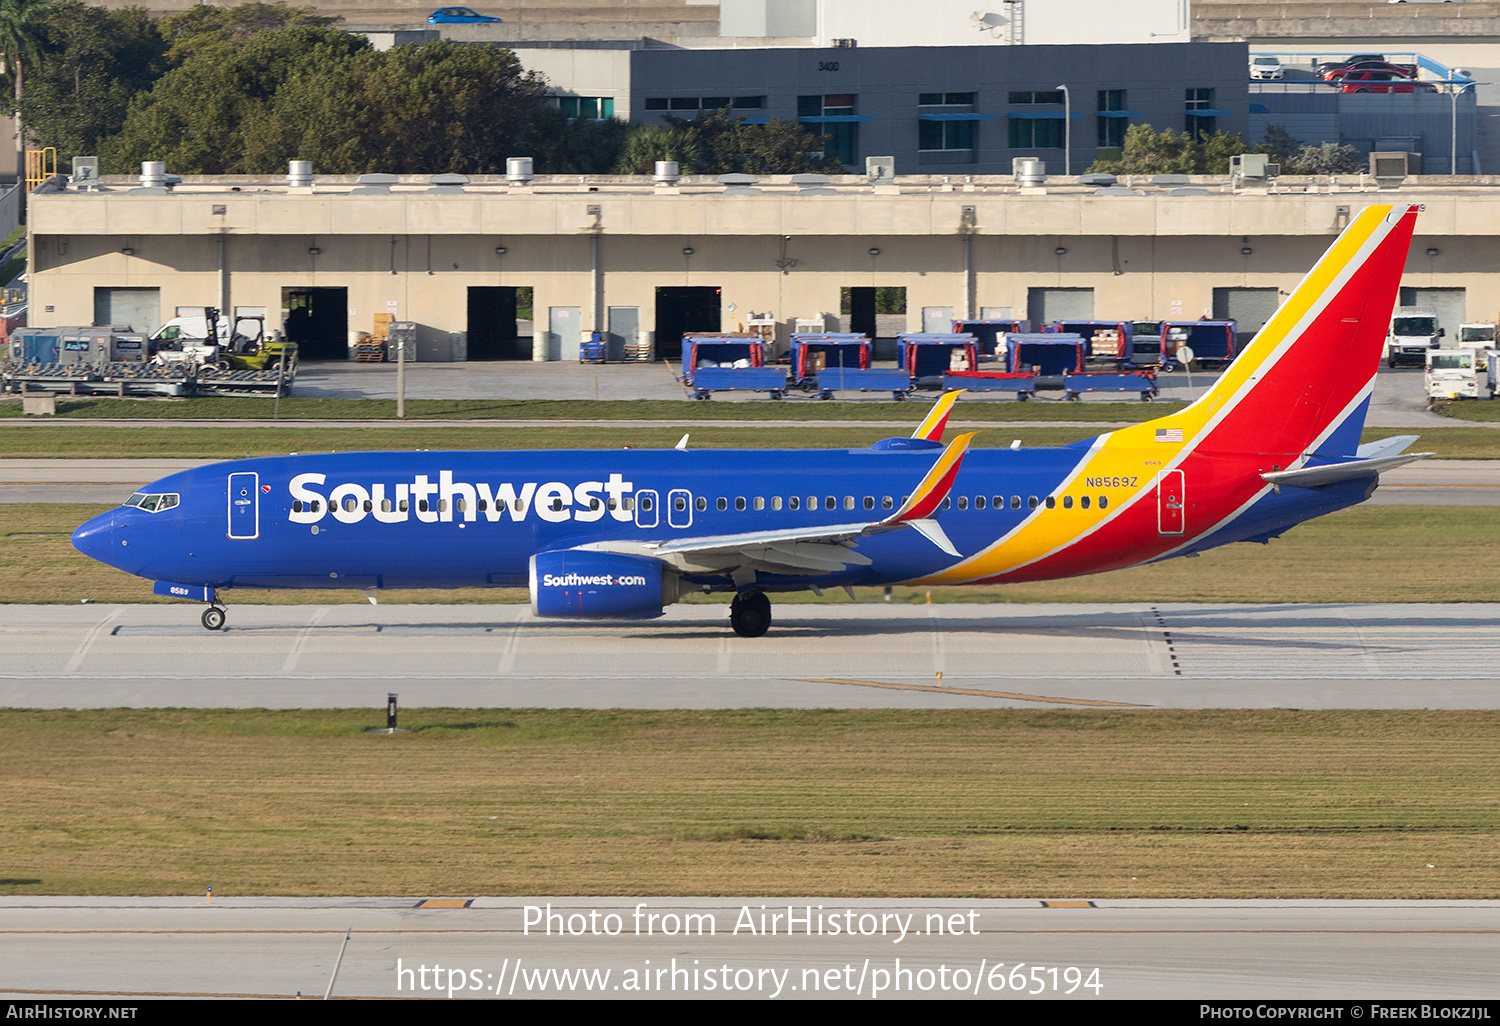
{"type": "Point", "coordinates": [623, 533]}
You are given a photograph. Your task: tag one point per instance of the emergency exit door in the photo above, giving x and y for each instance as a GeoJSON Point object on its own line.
{"type": "Point", "coordinates": [244, 506]}
{"type": "Point", "coordinates": [1170, 504]}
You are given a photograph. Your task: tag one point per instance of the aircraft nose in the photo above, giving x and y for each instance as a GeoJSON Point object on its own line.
{"type": "Point", "coordinates": [95, 538]}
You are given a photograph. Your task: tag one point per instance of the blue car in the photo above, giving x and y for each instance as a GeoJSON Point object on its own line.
{"type": "Point", "coordinates": [458, 16]}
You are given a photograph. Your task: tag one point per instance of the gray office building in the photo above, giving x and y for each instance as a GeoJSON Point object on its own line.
{"type": "Point", "coordinates": [935, 109]}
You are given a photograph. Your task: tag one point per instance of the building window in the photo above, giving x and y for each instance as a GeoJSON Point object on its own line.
{"type": "Point", "coordinates": [944, 99]}
{"type": "Point", "coordinates": [1035, 133]}
{"type": "Point", "coordinates": [595, 108]}
{"type": "Point", "coordinates": [1200, 125]}
{"type": "Point", "coordinates": [1038, 96]}
{"type": "Point", "coordinates": [1111, 125]}
{"type": "Point", "coordinates": [945, 135]}
{"type": "Point", "coordinates": [832, 116]}
{"type": "Point", "coordinates": [697, 103]}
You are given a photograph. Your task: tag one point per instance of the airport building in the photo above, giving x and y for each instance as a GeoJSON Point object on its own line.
{"type": "Point", "coordinates": [523, 268]}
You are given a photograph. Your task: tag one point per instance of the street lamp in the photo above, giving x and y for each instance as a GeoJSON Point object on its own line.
{"type": "Point", "coordinates": [1067, 131]}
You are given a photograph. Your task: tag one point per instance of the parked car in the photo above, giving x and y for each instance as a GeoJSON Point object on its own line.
{"type": "Point", "coordinates": [459, 16]}
{"type": "Point", "coordinates": [1266, 67]}
{"type": "Point", "coordinates": [1381, 82]}
{"type": "Point", "coordinates": [1331, 74]}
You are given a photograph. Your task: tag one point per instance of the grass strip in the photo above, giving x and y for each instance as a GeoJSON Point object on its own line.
{"type": "Point", "coordinates": [688, 412]}
{"type": "Point", "coordinates": [1364, 554]}
{"type": "Point", "coordinates": [198, 442]}
{"type": "Point", "coordinates": [995, 803]}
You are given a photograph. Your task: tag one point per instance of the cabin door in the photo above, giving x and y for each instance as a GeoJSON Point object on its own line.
{"type": "Point", "coordinates": [244, 506]}
{"type": "Point", "coordinates": [1170, 503]}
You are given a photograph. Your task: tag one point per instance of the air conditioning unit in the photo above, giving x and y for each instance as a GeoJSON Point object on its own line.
{"type": "Point", "coordinates": [1390, 167]}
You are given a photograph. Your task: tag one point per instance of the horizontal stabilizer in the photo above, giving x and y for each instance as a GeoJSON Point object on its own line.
{"type": "Point", "coordinates": [1332, 473]}
{"type": "Point", "coordinates": [1393, 446]}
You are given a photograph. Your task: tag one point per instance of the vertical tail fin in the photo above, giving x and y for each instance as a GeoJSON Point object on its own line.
{"type": "Point", "coordinates": [1303, 384]}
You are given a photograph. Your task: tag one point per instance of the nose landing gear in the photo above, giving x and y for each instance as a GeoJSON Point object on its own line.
{"type": "Point", "coordinates": [213, 618]}
{"type": "Point", "coordinates": [750, 614]}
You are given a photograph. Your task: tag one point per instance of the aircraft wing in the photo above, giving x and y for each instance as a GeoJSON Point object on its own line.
{"type": "Point", "coordinates": [819, 549]}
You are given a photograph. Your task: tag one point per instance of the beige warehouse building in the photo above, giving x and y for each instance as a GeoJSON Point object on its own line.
{"type": "Point", "coordinates": [645, 261]}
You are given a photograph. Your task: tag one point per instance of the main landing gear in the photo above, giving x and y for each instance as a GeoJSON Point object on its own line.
{"type": "Point", "coordinates": [750, 614]}
{"type": "Point", "coordinates": [213, 618]}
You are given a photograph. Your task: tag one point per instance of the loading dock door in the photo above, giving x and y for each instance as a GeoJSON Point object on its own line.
{"type": "Point", "coordinates": [135, 309]}
{"type": "Point", "coordinates": [492, 324]}
{"type": "Point", "coordinates": [1249, 309]}
{"type": "Point", "coordinates": [682, 309]}
{"type": "Point", "coordinates": [1451, 306]}
{"type": "Point", "coordinates": [318, 321]}
{"type": "Point", "coordinates": [1046, 306]}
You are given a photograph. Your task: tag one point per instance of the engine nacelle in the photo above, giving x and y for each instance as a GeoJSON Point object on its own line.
{"type": "Point", "coordinates": [600, 585]}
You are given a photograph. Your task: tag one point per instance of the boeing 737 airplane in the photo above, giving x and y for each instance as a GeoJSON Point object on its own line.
{"type": "Point", "coordinates": [622, 533]}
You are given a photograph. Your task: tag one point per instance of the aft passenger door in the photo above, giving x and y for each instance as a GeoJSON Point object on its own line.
{"type": "Point", "coordinates": [1170, 503]}
{"type": "Point", "coordinates": [244, 506]}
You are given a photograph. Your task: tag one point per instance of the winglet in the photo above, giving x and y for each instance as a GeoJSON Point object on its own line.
{"type": "Point", "coordinates": [936, 420]}
{"type": "Point", "coordinates": [928, 496]}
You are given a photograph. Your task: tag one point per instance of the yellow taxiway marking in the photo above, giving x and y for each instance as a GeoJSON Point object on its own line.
{"type": "Point", "coordinates": [445, 903]}
{"type": "Point", "coordinates": [972, 691]}
{"type": "Point", "coordinates": [1068, 904]}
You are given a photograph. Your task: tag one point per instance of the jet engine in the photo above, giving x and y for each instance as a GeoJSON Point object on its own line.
{"type": "Point", "coordinates": [600, 585]}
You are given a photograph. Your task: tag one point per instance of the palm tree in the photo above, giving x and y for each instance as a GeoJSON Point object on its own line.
{"type": "Point", "coordinates": [18, 22]}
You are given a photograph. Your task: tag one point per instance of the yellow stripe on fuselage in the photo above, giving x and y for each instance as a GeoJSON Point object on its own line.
{"type": "Point", "coordinates": [1133, 453]}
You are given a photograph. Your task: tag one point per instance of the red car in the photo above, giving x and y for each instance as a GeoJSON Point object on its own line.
{"type": "Point", "coordinates": [1380, 82]}
{"type": "Point", "coordinates": [1366, 62]}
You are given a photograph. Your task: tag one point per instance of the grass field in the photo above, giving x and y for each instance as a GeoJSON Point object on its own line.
{"type": "Point", "coordinates": [1364, 554]}
{"type": "Point", "coordinates": [1273, 803]}
{"type": "Point", "coordinates": [87, 441]}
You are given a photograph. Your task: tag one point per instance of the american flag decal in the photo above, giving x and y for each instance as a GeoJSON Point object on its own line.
{"type": "Point", "coordinates": [1169, 434]}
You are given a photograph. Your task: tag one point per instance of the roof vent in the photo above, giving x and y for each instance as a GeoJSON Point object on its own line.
{"type": "Point", "coordinates": [666, 172]}
{"type": "Point", "coordinates": [153, 174]}
{"type": "Point", "coordinates": [518, 170]}
{"type": "Point", "coordinates": [739, 185]}
{"type": "Point", "coordinates": [448, 183]}
{"type": "Point", "coordinates": [812, 185]}
{"type": "Point", "coordinates": [299, 174]}
{"type": "Point", "coordinates": [374, 185]}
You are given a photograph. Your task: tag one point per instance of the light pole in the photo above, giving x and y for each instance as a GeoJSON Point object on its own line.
{"type": "Point", "coordinates": [1067, 131]}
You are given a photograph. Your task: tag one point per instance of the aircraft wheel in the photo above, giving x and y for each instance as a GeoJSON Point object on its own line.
{"type": "Point", "coordinates": [750, 614]}
{"type": "Point", "coordinates": [213, 618]}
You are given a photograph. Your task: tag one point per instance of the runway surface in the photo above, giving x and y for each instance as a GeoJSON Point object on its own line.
{"type": "Point", "coordinates": [1427, 482]}
{"type": "Point", "coordinates": [1208, 949]}
{"type": "Point", "coordinates": [869, 655]}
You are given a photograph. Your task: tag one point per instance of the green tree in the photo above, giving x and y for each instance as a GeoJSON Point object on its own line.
{"type": "Point", "coordinates": [646, 144]}
{"type": "Point", "coordinates": [18, 48]}
{"type": "Point", "coordinates": [202, 27]}
{"type": "Point", "coordinates": [1216, 150]}
{"type": "Point", "coordinates": [213, 114]}
{"type": "Point", "coordinates": [1148, 151]}
{"type": "Point", "coordinates": [1328, 158]}
{"type": "Point", "coordinates": [561, 145]}
{"type": "Point", "coordinates": [433, 107]}
{"type": "Point", "coordinates": [92, 62]}
{"type": "Point", "coordinates": [1279, 143]}
{"type": "Point", "coordinates": [720, 142]}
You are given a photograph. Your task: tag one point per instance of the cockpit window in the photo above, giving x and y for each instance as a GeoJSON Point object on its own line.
{"type": "Point", "coordinates": [153, 503]}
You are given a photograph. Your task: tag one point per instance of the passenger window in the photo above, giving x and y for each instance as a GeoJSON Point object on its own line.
{"type": "Point", "coordinates": [385, 505]}
{"type": "Point", "coordinates": [948, 503]}
{"type": "Point", "coordinates": [1084, 502]}
{"type": "Point", "coordinates": [794, 503]}
{"type": "Point", "coordinates": [812, 503]}
{"type": "Point", "coordinates": [869, 502]}
{"type": "Point", "coordinates": [646, 504]}
{"type": "Point", "coordinates": [370, 505]}
{"type": "Point", "coordinates": [519, 505]}
{"type": "Point", "coordinates": [739, 502]}
{"type": "Point", "coordinates": [679, 504]}
{"type": "Point", "coordinates": [608, 505]}
{"type": "Point", "coordinates": [443, 505]}
{"type": "Point", "coordinates": [460, 507]}
{"type": "Point", "coordinates": [481, 504]}
{"type": "Point", "coordinates": [979, 502]}
{"type": "Point", "coordinates": [422, 505]}
{"type": "Point", "coordinates": [1067, 502]}
{"type": "Point", "coordinates": [629, 503]}
{"type": "Point", "coordinates": [593, 504]}
{"type": "Point", "coordinates": [886, 502]}
{"type": "Point", "coordinates": [848, 502]}
{"type": "Point", "coordinates": [404, 504]}
{"type": "Point", "coordinates": [1015, 502]}
{"type": "Point", "coordinates": [760, 503]}
{"type": "Point", "coordinates": [723, 504]}
{"type": "Point", "coordinates": [296, 506]}
{"type": "Point", "coordinates": [1103, 502]}
{"type": "Point", "coordinates": [702, 504]}
{"type": "Point", "coordinates": [830, 502]}
{"type": "Point", "coordinates": [963, 502]}
{"type": "Point", "coordinates": [1031, 502]}
{"type": "Point", "coordinates": [775, 502]}
{"type": "Point", "coordinates": [556, 505]}
{"type": "Point", "coordinates": [1051, 502]}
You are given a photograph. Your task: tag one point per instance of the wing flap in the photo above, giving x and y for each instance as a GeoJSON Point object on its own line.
{"type": "Point", "coordinates": [1332, 473]}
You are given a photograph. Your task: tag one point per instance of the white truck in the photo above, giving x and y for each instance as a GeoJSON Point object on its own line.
{"type": "Point", "coordinates": [1413, 332]}
{"type": "Point", "coordinates": [1478, 336]}
{"type": "Point", "coordinates": [198, 335]}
